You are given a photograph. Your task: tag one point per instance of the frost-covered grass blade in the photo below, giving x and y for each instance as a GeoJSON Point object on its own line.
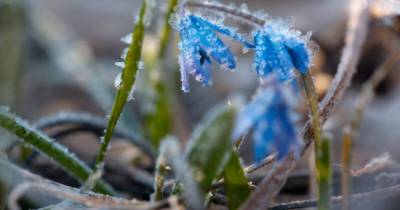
{"type": "Point", "coordinates": [55, 151]}
{"type": "Point", "coordinates": [128, 77]}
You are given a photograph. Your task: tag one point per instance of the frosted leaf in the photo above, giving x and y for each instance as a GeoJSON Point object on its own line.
{"type": "Point", "coordinates": [118, 81]}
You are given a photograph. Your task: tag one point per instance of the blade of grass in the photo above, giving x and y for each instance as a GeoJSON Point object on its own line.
{"type": "Point", "coordinates": [159, 119]}
{"type": "Point", "coordinates": [57, 152]}
{"type": "Point", "coordinates": [128, 77]}
{"type": "Point", "coordinates": [324, 175]}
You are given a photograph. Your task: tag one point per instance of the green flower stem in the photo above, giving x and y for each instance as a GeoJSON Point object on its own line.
{"type": "Point", "coordinates": [324, 171]}
{"type": "Point", "coordinates": [346, 165]}
{"type": "Point", "coordinates": [50, 148]}
{"type": "Point", "coordinates": [128, 79]}
{"type": "Point", "coordinates": [166, 30]}
{"type": "Point", "coordinates": [321, 146]}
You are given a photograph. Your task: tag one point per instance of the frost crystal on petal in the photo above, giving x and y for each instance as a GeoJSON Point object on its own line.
{"type": "Point", "coordinates": [271, 117]}
{"type": "Point", "coordinates": [200, 45]}
{"type": "Point", "coordinates": [281, 50]}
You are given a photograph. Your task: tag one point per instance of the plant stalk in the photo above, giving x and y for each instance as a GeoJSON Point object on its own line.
{"type": "Point", "coordinates": [322, 153]}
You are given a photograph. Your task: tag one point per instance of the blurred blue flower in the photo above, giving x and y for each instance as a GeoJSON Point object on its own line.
{"type": "Point", "coordinates": [198, 45]}
{"type": "Point", "coordinates": [272, 118]}
{"type": "Point", "coordinates": [281, 50]}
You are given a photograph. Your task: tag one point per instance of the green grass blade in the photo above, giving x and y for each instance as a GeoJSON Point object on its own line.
{"type": "Point", "coordinates": [55, 151]}
{"type": "Point", "coordinates": [210, 146]}
{"type": "Point", "coordinates": [236, 185]}
{"type": "Point", "coordinates": [159, 119]}
{"type": "Point", "coordinates": [128, 77]}
{"type": "Point", "coordinates": [324, 175]}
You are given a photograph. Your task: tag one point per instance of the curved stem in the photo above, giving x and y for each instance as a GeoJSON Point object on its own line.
{"type": "Point", "coordinates": [322, 151]}
{"type": "Point", "coordinates": [235, 12]}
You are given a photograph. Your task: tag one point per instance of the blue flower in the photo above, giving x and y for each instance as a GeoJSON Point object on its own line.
{"type": "Point", "coordinates": [199, 45]}
{"type": "Point", "coordinates": [272, 119]}
{"type": "Point", "coordinates": [281, 50]}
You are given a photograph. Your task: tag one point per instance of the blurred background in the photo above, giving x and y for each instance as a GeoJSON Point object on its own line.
{"type": "Point", "coordinates": [59, 55]}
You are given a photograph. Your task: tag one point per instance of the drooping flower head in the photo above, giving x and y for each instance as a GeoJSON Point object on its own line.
{"type": "Point", "coordinates": [271, 117]}
{"type": "Point", "coordinates": [281, 50]}
{"type": "Point", "coordinates": [200, 45]}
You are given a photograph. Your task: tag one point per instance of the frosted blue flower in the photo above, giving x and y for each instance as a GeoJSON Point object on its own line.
{"type": "Point", "coordinates": [199, 45]}
{"type": "Point", "coordinates": [281, 50]}
{"type": "Point", "coordinates": [272, 119]}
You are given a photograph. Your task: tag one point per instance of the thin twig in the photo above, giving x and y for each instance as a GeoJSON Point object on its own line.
{"type": "Point", "coordinates": [270, 186]}
{"type": "Point", "coordinates": [256, 166]}
{"type": "Point", "coordinates": [229, 10]}
{"type": "Point", "coordinates": [360, 199]}
{"type": "Point", "coordinates": [64, 192]}
{"type": "Point", "coordinates": [15, 175]}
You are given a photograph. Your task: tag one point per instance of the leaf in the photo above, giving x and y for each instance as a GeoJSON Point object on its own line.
{"type": "Point", "coordinates": [55, 151]}
{"type": "Point", "coordinates": [236, 185]}
{"type": "Point", "coordinates": [128, 76]}
{"type": "Point", "coordinates": [210, 145]}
